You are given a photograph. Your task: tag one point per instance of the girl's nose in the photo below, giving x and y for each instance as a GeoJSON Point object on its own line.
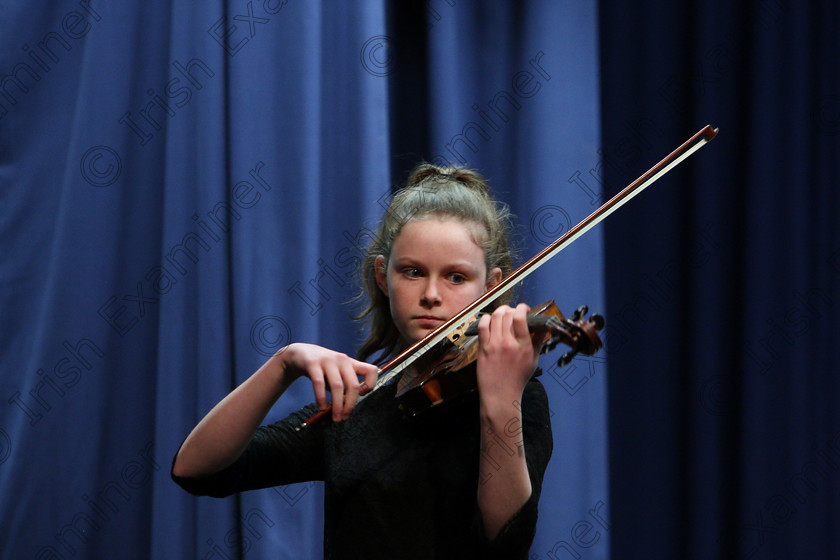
{"type": "Point", "coordinates": [431, 293]}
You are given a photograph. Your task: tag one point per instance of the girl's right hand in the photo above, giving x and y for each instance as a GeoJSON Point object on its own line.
{"type": "Point", "coordinates": [329, 370]}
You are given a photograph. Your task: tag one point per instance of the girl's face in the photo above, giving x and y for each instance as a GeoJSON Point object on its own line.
{"type": "Point", "coordinates": [435, 270]}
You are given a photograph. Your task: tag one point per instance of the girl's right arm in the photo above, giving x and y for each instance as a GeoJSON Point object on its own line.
{"type": "Point", "coordinates": [222, 436]}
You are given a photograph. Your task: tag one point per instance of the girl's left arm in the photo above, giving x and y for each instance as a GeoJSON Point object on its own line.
{"type": "Point", "coordinates": [507, 360]}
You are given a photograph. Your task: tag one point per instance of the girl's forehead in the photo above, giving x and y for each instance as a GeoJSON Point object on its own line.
{"type": "Point", "coordinates": [439, 237]}
{"type": "Point", "coordinates": [439, 227]}
{"type": "Point", "coordinates": [430, 221]}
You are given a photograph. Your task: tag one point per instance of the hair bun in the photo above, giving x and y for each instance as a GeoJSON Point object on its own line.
{"type": "Point", "coordinates": [429, 173]}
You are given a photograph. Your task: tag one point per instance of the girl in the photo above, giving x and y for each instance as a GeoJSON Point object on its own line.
{"type": "Point", "coordinates": [455, 482]}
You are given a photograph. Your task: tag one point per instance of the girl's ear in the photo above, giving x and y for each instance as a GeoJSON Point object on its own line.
{"type": "Point", "coordinates": [380, 270]}
{"type": "Point", "coordinates": [494, 278]}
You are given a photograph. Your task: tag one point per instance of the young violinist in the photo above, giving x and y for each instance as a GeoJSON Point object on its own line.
{"type": "Point", "coordinates": [458, 481]}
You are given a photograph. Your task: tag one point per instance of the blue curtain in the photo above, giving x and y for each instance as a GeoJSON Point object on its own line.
{"type": "Point", "coordinates": [186, 187]}
{"type": "Point", "coordinates": [722, 284]}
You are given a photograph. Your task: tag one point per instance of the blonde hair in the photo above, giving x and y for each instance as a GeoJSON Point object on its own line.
{"type": "Point", "coordinates": [450, 192]}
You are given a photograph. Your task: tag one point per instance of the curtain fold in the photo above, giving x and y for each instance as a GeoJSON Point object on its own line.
{"type": "Point", "coordinates": [185, 188]}
{"type": "Point", "coordinates": [722, 437]}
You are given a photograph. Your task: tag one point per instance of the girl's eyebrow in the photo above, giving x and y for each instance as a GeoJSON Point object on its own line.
{"type": "Point", "coordinates": [465, 265]}
{"type": "Point", "coordinates": [402, 261]}
{"type": "Point", "coordinates": [408, 260]}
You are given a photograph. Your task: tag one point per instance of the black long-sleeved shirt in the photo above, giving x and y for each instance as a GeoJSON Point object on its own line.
{"type": "Point", "coordinates": [395, 487]}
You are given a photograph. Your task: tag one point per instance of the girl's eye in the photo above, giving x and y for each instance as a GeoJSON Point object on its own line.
{"type": "Point", "coordinates": [412, 272]}
{"type": "Point", "coordinates": [457, 278]}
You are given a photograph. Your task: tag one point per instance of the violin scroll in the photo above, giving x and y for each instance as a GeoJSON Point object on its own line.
{"type": "Point", "coordinates": [589, 328]}
{"type": "Point", "coordinates": [576, 332]}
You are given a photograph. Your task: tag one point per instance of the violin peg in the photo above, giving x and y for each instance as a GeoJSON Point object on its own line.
{"type": "Point", "coordinates": [598, 320]}
{"type": "Point", "coordinates": [580, 312]}
{"type": "Point", "coordinates": [566, 358]}
{"type": "Point", "coordinates": [550, 345]}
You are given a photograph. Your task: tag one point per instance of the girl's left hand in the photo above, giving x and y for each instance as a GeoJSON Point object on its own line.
{"type": "Point", "coordinates": [507, 356]}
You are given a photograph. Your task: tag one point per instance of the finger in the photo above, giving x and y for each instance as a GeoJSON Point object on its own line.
{"type": "Point", "coordinates": [484, 328]}
{"type": "Point", "coordinates": [370, 373]}
{"type": "Point", "coordinates": [319, 387]}
{"type": "Point", "coordinates": [502, 323]}
{"type": "Point", "coordinates": [520, 321]}
{"type": "Point", "coordinates": [336, 385]}
{"type": "Point", "coordinates": [351, 388]}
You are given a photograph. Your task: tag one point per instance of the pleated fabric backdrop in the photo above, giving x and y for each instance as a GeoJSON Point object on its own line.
{"type": "Point", "coordinates": [187, 188]}
{"type": "Point", "coordinates": [724, 429]}
{"type": "Point", "coordinates": [184, 189]}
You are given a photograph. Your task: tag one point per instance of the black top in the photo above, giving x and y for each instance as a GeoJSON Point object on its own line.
{"type": "Point", "coordinates": [395, 487]}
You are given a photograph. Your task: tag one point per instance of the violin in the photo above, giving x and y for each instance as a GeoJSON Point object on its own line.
{"type": "Point", "coordinates": [444, 374]}
{"type": "Point", "coordinates": [580, 339]}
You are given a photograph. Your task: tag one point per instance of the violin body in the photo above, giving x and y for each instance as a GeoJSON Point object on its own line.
{"type": "Point", "coordinates": [448, 371]}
